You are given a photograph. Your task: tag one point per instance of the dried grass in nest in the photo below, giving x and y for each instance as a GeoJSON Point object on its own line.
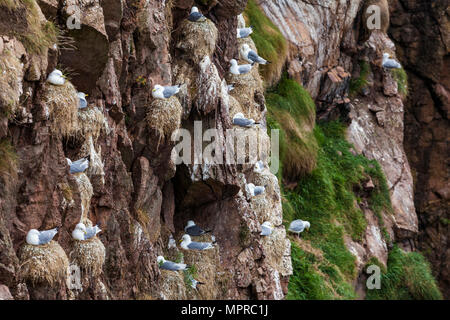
{"type": "Point", "coordinates": [46, 263]}
{"type": "Point", "coordinates": [62, 103]}
{"type": "Point", "coordinates": [198, 39]}
{"type": "Point", "coordinates": [255, 140]}
{"type": "Point", "coordinates": [89, 255]}
{"type": "Point", "coordinates": [164, 116]}
{"type": "Point", "coordinates": [171, 285]}
{"type": "Point", "coordinates": [91, 121]}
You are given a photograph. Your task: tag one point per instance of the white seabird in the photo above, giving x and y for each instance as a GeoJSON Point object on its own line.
{"type": "Point", "coordinates": [35, 237]}
{"type": "Point", "coordinates": [266, 228]}
{"type": "Point", "coordinates": [188, 244]}
{"type": "Point", "coordinates": [297, 226]}
{"type": "Point", "coordinates": [161, 92]}
{"type": "Point", "coordinates": [239, 69]}
{"type": "Point", "coordinates": [193, 282]}
{"type": "Point", "coordinates": [83, 103]}
{"type": "Point", "coordinates": [259, 167]}
{"type": "Point", "coordinates": [80, 165]}
{"type": "Point", "coordinates": [169, 265]}
{"type": "Point", "coordinates": [255, 190]}
{"type": "Point", "coordinates": [194, 230]}
{"type": "Point", "coordinates": [389, 63]}
{"type": "Point", "coordinates": [251, 56]}
{"type": "Point", "coordinates": [56, 77]}
{"type": "Point", "coordinates": [244, 32]}
{"type": "Point", "coordinates": [240, 120]}
{"type": "Point", "coordinates": [196, 16]}
{"type": "Point", "coordinates": [81, 232]}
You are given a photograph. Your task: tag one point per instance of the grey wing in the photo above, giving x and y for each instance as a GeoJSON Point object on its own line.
{"type": "Point", "coordinates": [195, 231]}
{"type": "Point", "coordinates": [169, 265]}
{"type": "Point", "coordinates": [392, 64]}
{"type": "Point", "coordinates": [253, 56]}
{"type": "Point", "coordinates": [195, 16]}
{"type": "Point", "coordinates": [244, 32]}
{"type": "Point", "coordinates": [245, 68]}
{"type": "Point", "coordinates": [199, 245]}
{"type": "Point", "coordinates": [265, 231]}
{"type": "Point", "coordinates": [242, 122]}
{"type": "Point", "coordinates": [170, 91]}
{"type": "Point", "coordinates": [47, 236]}
{"type": "Point", "coordinates": [259, 190]}
{"type": "Point", "coordinates": [90, 232]}
{"type": "Point", "coordinates": [82, 104]}
{"type": "Point", "coordinates": [76, 167]}
{"type": "Point", "coordinates": [297, 226]}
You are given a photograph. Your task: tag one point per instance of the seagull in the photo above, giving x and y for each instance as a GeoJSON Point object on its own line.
{"type": "Point", "coordinates": [297, 226]}
{"type": "Point", "coordinates": [239, 69]}
{"type": "Point", "coordinates": [255, 190]}
{"type": "Point", "coordinates": [259, 167]}
{"type": "Point", "coordinates": [193, 282]}
{"type": "Point", "coordinates": [188, 244]}
{"type": "Point", "coordinates": [80, 165]}
{"type": "Point", "coordinates": [230, 87]}
{"type": "Point", "coordinates": [161, 92]}
{"type": "Point", "coordinates": [169, 265]}
{"type": "Point", "coordinates": [172, 243]}
{"type": "Point", "coordinates": [56, 77]}
{"type": "Point", "coordinates": [251, 56]}
{"type": "Point", "coordinates": [81, 232]}
{"type": "Point", "coordinates": [194, 230]}
{"type": "Point", "coordinates": [35, 237]}
{"type": "Point", "coordinates": [240, 120]}
{"type": "Point", "coordinates": [244, 32]}
{"type": "Point", "coordinates": [83, 103]}
{"type": "Point", "coordinates": [266, 228]}
{"type": "Point", "coordinates": [390, 63]}
{"type": "Point", "coordinates": [196, 16]}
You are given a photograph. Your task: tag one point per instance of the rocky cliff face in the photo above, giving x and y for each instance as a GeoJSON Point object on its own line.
{"type": "Point", "coordinates": [420, 30]}
{"type": "Point", "coordinates": [135, 189]}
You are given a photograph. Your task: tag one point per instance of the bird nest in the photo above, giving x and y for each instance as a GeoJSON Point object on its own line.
{"type": "Point", "coordinates": [62, 103]}
{"type": "Point", "coordinates": [171, 285]}
{"type": "Point", "coordinates": [164, 116]}
{"type": "Point", "coordinates": [89, 255]}
{"type": "Point", "coordinates": [44, 263]}
{"type": "Point", "coordinates": [251, 143]}
{"type": "Point", "coordinates": [198, 39]}
{"type": "Point", "coordinates": [91, 122]}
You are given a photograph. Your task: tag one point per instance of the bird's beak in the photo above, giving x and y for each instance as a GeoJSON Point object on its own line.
{"type": "Point", "coordinates": [154, 90]}
{"type": "Point", "coordinates": [85, 232]}
{"type": "Point", "coordinates": [181, 240]}
{"type": "Point", "coordinates": [65, 77]}
{"type": "Point", "coordinates": [86, 95]}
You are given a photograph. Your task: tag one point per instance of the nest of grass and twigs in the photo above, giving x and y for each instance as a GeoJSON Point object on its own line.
{"type": "Point", "coordinates": [43, 264]}
{"type": "Point", "coordinates": [198, 39]}
{"type": "Point", "coordinates": [91, 121]}
{"type": "Point", "coordinates": [62, 103]}
{"type": "Point", "coordinates": [89, 255]}
{"type": "Point", "coordinates": [164, 116]}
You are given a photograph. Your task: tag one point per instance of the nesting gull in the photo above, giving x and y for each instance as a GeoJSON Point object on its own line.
{"type": "Point", "coordinates": [80, 165]}
{"type": "Point", "coordinates": [251, 56]}
{"type": "Point", "coordinates": [259, 167]}
{"type": "Point", "coordinates": [36, 237]}
{"type": "Point", "coordinates": [169, 265]}
{"type": "Point", "coordinates": [196, 16]}
{"type": "Point", "coordinates": [81, 232]}
{"type": "Point", "coordinates": [188, 244]}
{"type": "Point", "coordinates": [266, 228]}
{"type": "Point", "coordinates": [297, 226]}
{"type": "Point", "coordinates": [56, 77]}
{"type": "Point", "coordinates": [161, 92]}
{"type": "Point", "coordinates": [172, 243]}
{"type": "Point", "coordinates": [240, 120]}
{"type": "Point", "coordinates": [83, 103]}
{"type": "Point", "coordinates": [244, 32]}
{"type": "Point", "coordinates": [193, 282]}
{"type": "Point", "coordinates": [194, 230]}
{"type": "Point", "coordinates": [255, 190]}
{"type": "Point", "coordinates": [239, 69]}
{"type": "Point", "coordinates": [390, 63]}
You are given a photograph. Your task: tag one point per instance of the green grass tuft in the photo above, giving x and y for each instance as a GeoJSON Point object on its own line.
{"type": "Point", "coordinates": [408, 277]}
{"type": "Point", "coordinates": [269, 41]}
{"type": "Point", "coordinates": [292, 111]}
{"type": "Point", "coordinates": [401, 77]}
{"type": "Point", "coordinates": [358, 84]}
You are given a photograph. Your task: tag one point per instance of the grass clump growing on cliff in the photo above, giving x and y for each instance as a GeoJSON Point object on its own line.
{"type": "Point", "coordinates": [401, 77]}
{"type": "Point", "coordinates": [292, 111]}
{"type": "Point", "coordinates": [8, 157]}
{"type": "Point", "coordinates": [358, 84]}
{"type": "Point", "coordinates": [408, 277]}
{"type": "Point", "coordinates": [327, 199]}
{"type": "Point", "coordinates": [269, 41]}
